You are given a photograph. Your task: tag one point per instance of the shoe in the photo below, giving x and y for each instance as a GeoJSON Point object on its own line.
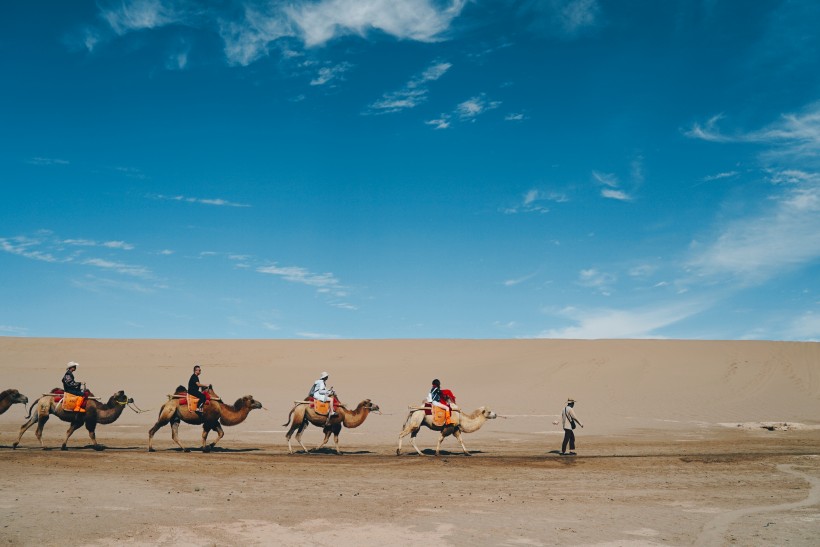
{"type": "Point", "coordinates": [562, 453]}
{"type": "Point", "coordinates": [199, 411]}
{"type": "Point", "coordinates": [573, 453]}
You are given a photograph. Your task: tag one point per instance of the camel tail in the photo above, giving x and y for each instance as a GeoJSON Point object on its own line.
{"type": "Point", "coordinates": [31, 408]}
{"type": "Point", "coordinates": [289, 416]}
{"type": "Point", "coordinates": [407, 420]}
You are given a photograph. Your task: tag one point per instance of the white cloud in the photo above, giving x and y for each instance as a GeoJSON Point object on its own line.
{"type": "Point", "coordinates": [514, 117]}
{"type": "Point", "coordinates": [519, 280]}
{"type": "Point", "coordinates": [576, 15]}
{"type": "Point", "coordinates": [8, 330]}
{"type": "Point", "coordinates": [601, 281]}
{"type": "Point", "coordinates": [318, 335]}
{"type": "Point", "coordinates": [475, 106]}
{"type": "Point", "coordinates": [90, 243]}
{"type": "Point", "coordinates": [99, 284]}
{"type": "Point", "coordinates": [328, 74]}
{"type": "Point", "coordinates": [420, 20]}
{"type": "Point", "coordinates": [119, 267]}
{"type": "Point", "coordinates": [782, 237]}
{"type": "Point", "coordinates": [534, 201]}
{"type": "Point", "coordinates": [297, 274]}
{"type": "Point", "coordinates": [720, 176]}
{"type": "Point", "coordinates": [46, 161]}
{"type": "Point", "coordinates": [248, 33]}
{"type": "Point", "coordinates": [607, 179]}
{"type": "Point", "coordinates": [130, 15]}
{"type": "Point", "coordinates": [414, 92]}
{"type": "Point", "coordinates": [615, 194]}
{"type": "Point", "coordinates": [615, 323]}
{"type": "Point", "coordinates": [439, 123]}
{"type": "Point", "coordinates": [203, 201]}
{"type": "Point", "coordinates": [26, 247]}
{"type": "Point", "coordinates": [806, 327]}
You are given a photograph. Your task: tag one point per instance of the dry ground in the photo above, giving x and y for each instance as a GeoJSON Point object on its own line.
{"type": "Point", "coordinates": [724, 487]}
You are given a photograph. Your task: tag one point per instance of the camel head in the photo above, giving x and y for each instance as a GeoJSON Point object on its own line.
{"type": "Point", "coordinates": [488, 414]}
{"type": "Point", "coordinates": [247, 401]}
{"type": "Point", "coordinates": [370, 405]}
{"type": "Point", "coordinates": [121, 398]}
{"type": "Point", "coordinates": [15, 397]}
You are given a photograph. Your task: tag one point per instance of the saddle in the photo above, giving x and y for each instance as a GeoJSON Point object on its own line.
{"type": "Point", "coordinates": [441, 416]}
{"type": "Point", "coordinates": [70, 402]}
{"type": "Point", "coordinates": [191, 401]}
{"type": "Point", "coordinates": [322, 407]}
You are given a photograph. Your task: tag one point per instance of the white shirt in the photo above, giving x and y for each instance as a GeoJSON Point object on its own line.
{"type": "Point", "coordinates": [320, 391]}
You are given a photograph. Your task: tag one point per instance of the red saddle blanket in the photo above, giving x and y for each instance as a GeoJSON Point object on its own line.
{"type": "Point", "coordinates": [191, 402]}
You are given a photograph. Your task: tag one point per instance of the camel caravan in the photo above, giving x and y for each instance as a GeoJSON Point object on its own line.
{"type": "Point", "coordinates": [199, 405]}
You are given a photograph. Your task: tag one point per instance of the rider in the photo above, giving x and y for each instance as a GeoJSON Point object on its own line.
{"type": "Point", "coordinates": [435, 398]}
{"type": "Point", "coordinates": [320, 392]}
{"type": "Point", "coordinates": [193, 389]}
{"type": "Point", "coordinates": [70, 385]}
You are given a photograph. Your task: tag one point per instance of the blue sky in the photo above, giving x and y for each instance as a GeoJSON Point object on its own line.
{"type": "Point", "coordinates": [410, 169]}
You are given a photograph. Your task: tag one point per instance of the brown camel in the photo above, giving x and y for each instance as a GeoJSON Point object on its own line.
{"type": "Point", "coordinates": [464, 422]}
{"type": "Point", "coordinates": [10, 397]}
{"type": "Point", "coordinates": [302, 415]}
{"type": "Point", "coordinates": [96, 413]}
{"type": "Point", "coordinates": [214, 416]}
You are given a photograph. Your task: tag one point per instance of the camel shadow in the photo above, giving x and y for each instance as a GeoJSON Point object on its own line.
{"type": "Point", "coordinates": [214, 449]}
{"type": "Point", "coordinates": [332, 452]}
{"type": "Point", "coordinates": [432, 452]}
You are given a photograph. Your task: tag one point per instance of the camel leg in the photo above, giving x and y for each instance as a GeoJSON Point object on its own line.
{"type": "Point", "coordinates": [336, 441]}
{"type": "Point", "coordinates": [205, 432]}
{"type": "Point", "coordinates": [457, 434]}
{"type": "Point", "coordinates": [220, 432]}
{"type": "Point", "coordinates": [175, 436]}
{"type": "Point", "coordinates": [413, 442]}
{"type": "Point", "coordinates": [41, 422]}
{"type": "Point", "coordinates": [327, 433]}
{"type": "Point", "coordinates": [157, 426]}
{"type": "Point", "coordinates": [301, 430]}
{"type": "Point", "coordinates": [440, 440]}
{"type": "Point", "coordinates": [23, 428]}
{"type": "Point", "coordinates": [71, 429]}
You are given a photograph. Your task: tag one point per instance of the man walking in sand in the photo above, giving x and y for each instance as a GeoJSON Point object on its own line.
{"type": "Point", "coordinates": [568, 421]}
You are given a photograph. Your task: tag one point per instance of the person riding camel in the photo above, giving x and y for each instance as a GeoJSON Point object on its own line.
{"type": "Point", "coordinates": [441, 398]}
{"type": "Point", "coordinates": [70, 385]}
{"type": "Point", "coordinates": [321, 393]}
{"type": "Point", "coordinates": [193, 389]}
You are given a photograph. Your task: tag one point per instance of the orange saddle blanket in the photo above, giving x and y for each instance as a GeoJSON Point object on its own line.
{"type": "Point", "coordinates": [191, 401]}
{"type": "Point", "coordinates": [441, 416]}
{"type": "Point", "coordinates": [70, 402]}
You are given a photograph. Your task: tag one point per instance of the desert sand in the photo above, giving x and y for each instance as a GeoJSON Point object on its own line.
{"type": "Point", "coordinates": [685, 443]}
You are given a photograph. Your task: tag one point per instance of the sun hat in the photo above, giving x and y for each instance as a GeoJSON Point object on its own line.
{"type": "Point", "coordinates": [324, 375]}
{"type": "Point", "coordinates": [570, 400]}
{"type": "Point", "coordinates": [72, 364]}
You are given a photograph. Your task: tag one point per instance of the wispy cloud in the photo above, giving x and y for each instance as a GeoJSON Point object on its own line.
{"type": "Point", "coordinates": [318, 335]}
{"type": "Point", "coordinates": [250, 32]}
{"type": "Point", "coordinates": [621, 323]}
{"type": "Point", "coordinates": [536, 201]}
{"type": "Point", "coordinates": [784, 235]}
{"type": "Point", "coordinates": [96, 284]}
{"type": "Point", "coordinates": [26, 247]}
{"type": "Point", "coordinates": [219, 202]}
{"type": "Point", "coordinates": [297, 274]}
{"type": "Point", "coordinates": [595, 279]}
{"type": "Point", "coordinates": [413, 93]}
{"type": "Point", "coordinates": [119, 267]}
{"type": "Point", "coordinates": [90, 243]}
{"type": "Point", "coordinates": [331, 73]}
{"type": "Point", "coordinates": [514, 117]}
{"type": "Point", "coordinates": [46, 161]}
{"type": "Point", "coordinates": [466, 111]}
{"type": "Point", "coordinates": [611, 185]}
{"type": "Point", "coordinates": [794, 136]}
{"type": "Point", "coordinates": [8, 330]}
{"type": "Point", "coordinates": [419, 20]}
{"type": "Point", "coordinates": [720, 176]}
{"type": "Point", "coordinates": [519, 280]}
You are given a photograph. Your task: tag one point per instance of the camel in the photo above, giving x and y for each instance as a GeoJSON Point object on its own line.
{"type": "Point", "coordinates": [302, 415]}
{"type": "Point", "coordinates": [215, 415]}
{"type": "Point", "coordinates": [464, 422]}
{"type": "Point", "coordinates": [96, 413]}
{"type": "Point", "coordinates": [10, 397]}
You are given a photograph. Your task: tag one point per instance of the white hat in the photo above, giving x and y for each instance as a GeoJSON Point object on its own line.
{"type": "Point", "coordinates": [570, 400]}
{"type": "Point", "coordinates": [72, 364]}
{"type": "Point", "coordinates": [324, 375]}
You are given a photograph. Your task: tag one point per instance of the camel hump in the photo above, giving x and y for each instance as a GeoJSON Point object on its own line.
{"type": "Point", "coordinates": [56, 390]}
{"type": "Point", "coordinates": [180, 389]}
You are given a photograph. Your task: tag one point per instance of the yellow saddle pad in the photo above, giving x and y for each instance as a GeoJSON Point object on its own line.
{"type": "Point", "coordinates": [70, 401]}
{"type": "Point", "coordinates": [439, 416]}
{"type": "Point", "coordinates": [192, 402]}
{"type": "Point", "coordinates": [321, 407]}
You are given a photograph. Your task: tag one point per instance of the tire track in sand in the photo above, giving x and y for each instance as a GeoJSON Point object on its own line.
{"type": "Point", "coordinates": [713, 533]}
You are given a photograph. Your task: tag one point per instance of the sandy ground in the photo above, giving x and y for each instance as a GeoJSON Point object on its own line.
{"type": "Point", "coordinates": [686, 443]}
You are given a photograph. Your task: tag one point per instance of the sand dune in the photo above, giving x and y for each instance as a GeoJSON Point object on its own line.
{"type": "Point", "coordinates": [686, 443]}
